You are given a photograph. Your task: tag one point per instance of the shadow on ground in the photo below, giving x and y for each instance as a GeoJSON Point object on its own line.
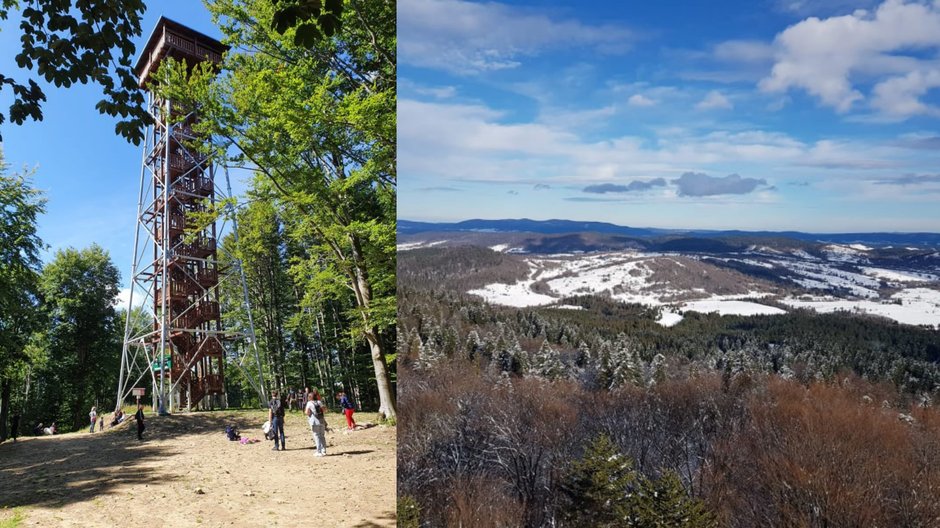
{"type": "Point", "coordinates": [63, 469]}
{"type": "Point", "coordinates": [387, 516]}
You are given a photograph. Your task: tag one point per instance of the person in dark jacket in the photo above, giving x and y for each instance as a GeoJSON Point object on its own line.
{"type": "Point", "coordinates": [15, 426]}
{"type": "Point", "coordinates": [140, 421]}
{"type": "Point", "coordinates": [276, 416]}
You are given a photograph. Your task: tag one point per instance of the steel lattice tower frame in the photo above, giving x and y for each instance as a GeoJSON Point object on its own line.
{"type": "Point", "coordinates": [178, 339]}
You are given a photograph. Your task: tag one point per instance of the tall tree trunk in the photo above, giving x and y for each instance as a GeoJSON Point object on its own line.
{"type": "Point", "coordinates": [4, 407]}
{"type": "Point", "coordinates": [363, 291]}
{"type": "Point", "coordinates": [320, 353]}
{"type": "Point", "coordinates": [304, 359]}
{"type": "Point", "coordinates": [347, 373]}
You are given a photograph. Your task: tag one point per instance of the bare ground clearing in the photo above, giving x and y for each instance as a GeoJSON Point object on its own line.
{"type": "Point", "coordinates": [112, 479]}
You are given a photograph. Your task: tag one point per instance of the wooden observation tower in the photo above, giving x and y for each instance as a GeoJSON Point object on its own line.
{"type": "Point", "coordinates": [176, 338]}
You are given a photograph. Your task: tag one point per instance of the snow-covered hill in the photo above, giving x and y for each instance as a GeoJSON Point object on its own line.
{"type": "Point", "coordinates": [760, 280]}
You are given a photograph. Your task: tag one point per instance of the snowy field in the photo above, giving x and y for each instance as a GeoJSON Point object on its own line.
{"type": "Point", "coordinates": [824, 276]}
{"type": "Point", "coordinates": [417, 245]}
{"type": "Point", "coordinates": [731, 307]}
{"type": "Point", "coordinates": [919, 306]}
{"type": "Point", "coordinates": [853, 253]}
{"type": "Point", "coordinates": [519, 294]}
{"type": "Point", "coordinates": [900, 276]}
{"type": "Point", "coordinates": [669, 318]}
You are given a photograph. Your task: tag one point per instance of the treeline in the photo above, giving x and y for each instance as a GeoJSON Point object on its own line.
{"type": "Point", "coordinates": [60, 336]}
{"type": "Point", "coordinates": [305, 338]}
{"type": "Point", "coordinates": [754, 418]}
{"type": "Point", "coordinates": [749, 450]}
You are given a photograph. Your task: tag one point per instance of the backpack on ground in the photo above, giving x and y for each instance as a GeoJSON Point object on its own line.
{"type": "Point", "coordinates": [232, 433]}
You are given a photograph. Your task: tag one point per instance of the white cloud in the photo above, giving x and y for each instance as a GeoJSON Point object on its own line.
{"type": "Point", "coordinates": [467, 38]}
{"type": "Point", "coordinates": [714, 100]}
{"type": "Point", "coordinates": [640, 100]}
{"type": "Point", "coordinates": [829, 57]}
{"type": "Point", "coordinates": [122, 300]}
{"type": "Point", "coordinates": [437, 92]}
{"type": "Point", "coordinates": [475, 142]}
{"type": "Point", "coordinates": [900, 96]}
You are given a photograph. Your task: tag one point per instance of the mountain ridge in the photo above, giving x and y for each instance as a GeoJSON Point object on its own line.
{"type": "Point", "coordinates": [557, 226]}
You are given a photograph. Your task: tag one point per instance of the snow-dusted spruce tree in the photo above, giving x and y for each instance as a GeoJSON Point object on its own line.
{"type": "Point", "coordinates": [626, 365]}
{"type": "Point", "coordinates": [429, 354]}
{"type": "Point", "coordinates": [546, 363]}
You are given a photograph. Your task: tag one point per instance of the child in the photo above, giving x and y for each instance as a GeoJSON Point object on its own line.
{"type": "Point", "coordinates": [347, 410]}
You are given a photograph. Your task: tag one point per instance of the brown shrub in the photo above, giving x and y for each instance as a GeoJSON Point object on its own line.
{"type": "Point", "coordinates": [821, 455]}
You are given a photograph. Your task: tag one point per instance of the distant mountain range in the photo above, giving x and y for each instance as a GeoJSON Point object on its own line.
{"type": "Point", "coordinates": [552, 227]}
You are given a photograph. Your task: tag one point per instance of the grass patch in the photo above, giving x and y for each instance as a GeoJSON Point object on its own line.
{"type": "Point", "coordinates": [12, 522]}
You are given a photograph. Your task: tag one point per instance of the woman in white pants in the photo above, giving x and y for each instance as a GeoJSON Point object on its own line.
{"type": "Point", "coordinates": [315, 410]}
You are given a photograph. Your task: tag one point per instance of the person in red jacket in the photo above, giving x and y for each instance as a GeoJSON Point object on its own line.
{"type": "Point", "coordinates": [348, 410]}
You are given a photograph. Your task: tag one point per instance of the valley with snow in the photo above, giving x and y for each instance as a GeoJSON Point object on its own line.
{"type": "Point", "coordinates": [755, 280]}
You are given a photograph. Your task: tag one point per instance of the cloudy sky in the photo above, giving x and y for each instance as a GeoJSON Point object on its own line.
{"type": "Point", "coordinates": [816, 115]}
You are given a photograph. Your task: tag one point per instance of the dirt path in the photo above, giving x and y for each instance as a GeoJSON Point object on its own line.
{"type": "Point", "coordinates": [112, 479]}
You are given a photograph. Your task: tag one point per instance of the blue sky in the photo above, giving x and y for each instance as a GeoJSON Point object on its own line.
{"type": "Point", "coordinates": [771, 114]}
{"type": "Point", "coordinates": [90, 176]}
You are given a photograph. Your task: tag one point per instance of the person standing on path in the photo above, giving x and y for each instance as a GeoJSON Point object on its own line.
{"type": "Point", "coordinates": [93, 416]}
{"type": "Point", "coordinates": [140, 421]}
{"type": "Point", "coordinates": [15, 426]}
{"type": "Point", "coordinates": [101, 424]}
{"type": "Point", "coordinates": [348, 410]}
{"type": "Point", "coordinates": [276, 417]}
{"type": "Point", "coordinates": [315, 418]}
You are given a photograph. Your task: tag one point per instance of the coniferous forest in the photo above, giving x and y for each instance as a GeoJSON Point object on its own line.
{"type": "Point", "coordinates": [564, 417]}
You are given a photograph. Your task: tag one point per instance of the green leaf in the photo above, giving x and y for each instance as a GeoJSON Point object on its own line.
{"type": "Point", "coordinates": [307, 35]}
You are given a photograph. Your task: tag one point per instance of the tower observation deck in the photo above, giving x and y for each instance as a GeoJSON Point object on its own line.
{"type": "Point", "coordinates": [176, 338]}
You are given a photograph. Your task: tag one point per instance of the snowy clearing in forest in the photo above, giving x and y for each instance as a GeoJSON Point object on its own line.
{"type": "Point", "coordinates": [518, 295]}
{"type": "Point", "coordinates": [568, 276]}
{"type": "Point", "coordinates": [418, 245]}
{"type": "Point", "coordinates": [669, 318]}
{"type": "Point", "coordinates": [731, 307]}
{"type": "Point", "coordinates": [919, 306]}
